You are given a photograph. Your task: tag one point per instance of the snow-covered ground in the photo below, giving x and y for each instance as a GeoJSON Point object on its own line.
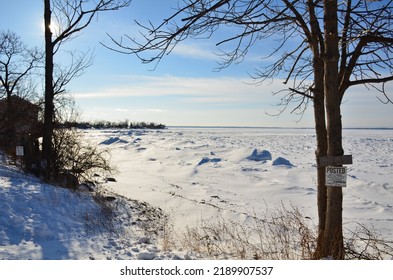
{"type": "Point", "coordinates": [193, 174]}
{"type": "Point", "coordinates": [40, 221]}
{"type": "Point", "coordinates": [203, 173]}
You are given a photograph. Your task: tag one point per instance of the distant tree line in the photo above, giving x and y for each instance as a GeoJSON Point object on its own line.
{"type": "Point", "coordinates": [108, 124]}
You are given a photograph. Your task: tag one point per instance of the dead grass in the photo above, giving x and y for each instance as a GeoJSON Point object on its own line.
{"type": "Point", "coordinates": [281, 234]}
{"type": "Point", "coordinates": [102, 218]}
{"type": "Point", "coordinates": [119, 216]}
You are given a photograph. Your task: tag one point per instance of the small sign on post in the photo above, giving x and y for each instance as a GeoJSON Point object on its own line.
{"type": "Point", "coordinates": [20, 151]}
{"type": "Point", "coordinates": [335, 160]}
{"type": "Point", "coordinates": [336, 176]}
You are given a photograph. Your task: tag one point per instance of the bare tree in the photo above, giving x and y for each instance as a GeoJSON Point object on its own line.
{"type": "Point", "coordinates": [324, 48]}
{"type": "Point", "coordinates": [64, 20]}
{"type": "Point", "coordinates": [16, 61]}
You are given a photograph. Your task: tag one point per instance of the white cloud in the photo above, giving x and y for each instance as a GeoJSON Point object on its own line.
{"type": "Point", "coordinates": [135, 111]}
{"type": "Point", "coordinates": [193, 51]}
{"type": "Point", "coordinates": [214, 101]}
{"type": "Point", "coordinates": [122, 110]}
{"type": "Point", "coordinates": [202, 89]}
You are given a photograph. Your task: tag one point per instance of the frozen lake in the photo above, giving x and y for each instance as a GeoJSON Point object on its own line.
{"type": "Point", "coordinates": [206, 173]}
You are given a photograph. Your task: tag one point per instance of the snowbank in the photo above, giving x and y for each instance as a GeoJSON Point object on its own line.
{"type": "Point", "coordinates": [41, 221]}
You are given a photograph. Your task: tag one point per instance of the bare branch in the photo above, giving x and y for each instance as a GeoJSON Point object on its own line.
{"type": "Point", "coordinates": [74, 15]}
{"type": "Point", "coordinates": [63, 75]}
{"type": "Point", "coordinates": [16, 61]}
{"type": "Point", "coordinates": [366, 41]}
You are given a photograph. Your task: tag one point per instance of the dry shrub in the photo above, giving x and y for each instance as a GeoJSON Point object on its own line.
{"type": "Point", "coordinates": [75, 156]}
{"type": "Point", "coordinates": [280, 234]}
{"type": "Point", "coordinates": [364, 243]}
{"type": "Point", "coordinates": [116, 214]}
{"type": "Point", "coordinates": [167, 230]}
{"type": "Point", "coordinates": [102, 218]}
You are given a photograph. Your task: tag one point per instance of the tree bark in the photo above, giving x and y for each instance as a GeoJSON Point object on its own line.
{"type": "Point", "coordinates": [333, 238]}
{"type": "Point", "coordinates": [333, 246]}
{"type": "Point", "coordinates": [317, 47]}
{"type": "Point", "coordinates": [321, 137]}
{"type": "Point", "coordinates": [49, 95]}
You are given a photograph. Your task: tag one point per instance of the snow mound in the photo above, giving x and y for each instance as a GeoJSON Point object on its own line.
{"type": "Point", "coordinates": [263, 155]}
{"type": "Point", "coordinates": [207, 160]}
{"type": "Point", "coordinates": [113, 140]}
{"type": "Point", "coordinates": [280, 161]}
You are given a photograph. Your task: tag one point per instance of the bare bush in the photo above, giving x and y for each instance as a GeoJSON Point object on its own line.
{"type": "Point", "coordinates": [364, 243]}
{"type": "Point", "coordinates": [76, 156]}
{"type": "Point", "coordinates": [281, 234]}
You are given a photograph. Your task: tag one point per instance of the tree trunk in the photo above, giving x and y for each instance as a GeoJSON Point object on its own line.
{"type": "Point", "coordinates": [317, 48]}
{"type": "Point", "coordinates": [321, 137]}
{"type": "Point", "coordinates": [49, 95]}
{"type": "Point", "coordinates": [9, 124]}
{"type": "Point", "coordinates": [333, 246]}
{"type": "Point", "coordinates": [333, 236]}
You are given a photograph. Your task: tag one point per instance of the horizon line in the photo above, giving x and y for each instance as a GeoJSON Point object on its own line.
{"type": "Point", "coordinates": [269, 127]}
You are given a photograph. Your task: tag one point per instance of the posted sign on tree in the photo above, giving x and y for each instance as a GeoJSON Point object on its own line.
{"type": "Point", "coordinates": [336, 176]}
{"type": "Point", "coordinates": [19, 151]}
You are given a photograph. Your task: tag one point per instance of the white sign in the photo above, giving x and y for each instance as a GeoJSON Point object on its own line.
{"type": "Point", "coordinates": [336, 176]}
{"type": "Point", "coordinates": [19, 151]}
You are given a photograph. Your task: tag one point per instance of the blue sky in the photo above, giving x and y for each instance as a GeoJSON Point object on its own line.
{"type": "Point", "coordinates": [184, 89]}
